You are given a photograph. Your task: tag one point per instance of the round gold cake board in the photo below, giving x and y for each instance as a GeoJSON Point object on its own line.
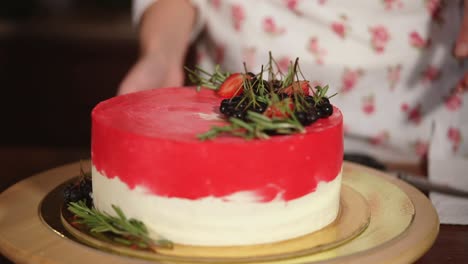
{"type": "Point", "coordinates": [402, 227]}
{"type": "Point", "coordinates": [352, 220]}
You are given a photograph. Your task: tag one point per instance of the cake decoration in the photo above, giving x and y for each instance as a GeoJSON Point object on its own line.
{"type": "Point", "coordinates": [258, 108]}
{"type": "Point", "coordinates": [126, 231]}
{"type": "Point", "coordinates": [131, 232]}
{"type": "Point", "coordinates": [149, 164]}
{"type": "Point", "coordinates": [79, 190]}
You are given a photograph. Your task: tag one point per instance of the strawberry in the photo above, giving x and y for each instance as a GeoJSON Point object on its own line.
{"type": "Point", "coordinates": [232, 86]}
{"type": "Point", "coordinates": [304, 85]}
{"type": "Point", "coordinates": [275, 110]}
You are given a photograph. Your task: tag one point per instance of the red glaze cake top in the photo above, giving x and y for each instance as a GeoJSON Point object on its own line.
{"type": "Point", "coordinates": [149, 139]}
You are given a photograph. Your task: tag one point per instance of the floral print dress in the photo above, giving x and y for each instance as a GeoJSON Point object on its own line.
{"type": "Point", "coordinates": [390, 61]}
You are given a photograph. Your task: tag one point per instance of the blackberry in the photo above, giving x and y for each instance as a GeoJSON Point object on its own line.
{"type": "Point", "coordinates": [235, 99]}
{"type": "Point", "coordinates": [283, 96]}
{"type": "Point", "coordinates": [86, 188]}
{"type": "Point", "coordinates": [266, 86]}
{"type": "Point", "coordinates": [319, 113]}
{"type": "Point", "coordinates": [324, 101]}
{"type": "Point", "coordinates": [326, 110]}
{"type": "Point", "coordinates": [226, 109]}
{"type": "Point", "coordinates": [76, 191]}
{"type": "Point", "coordinates": [276, 85]}
{"type": "Point", "coordinates": [259, 107]}
{"type": "Point", "coordinates": [72, 193]}
{"type": "Point", "coordinates": [312, 116]}
{"type": "Point", "coordinates": [228, 105]}
{"type": "Point", "coordinates": [307, 117]}
{"type": "Point", "coordinates": [67, 192]}
{"type": "Point", "coordinates": [75, 196]}
{"type": "Point", "coordinates": [302, 118]}
{"type": "Point", "coordinates": [241, 105]}
{"type": "Point", "coordinates": [241, 114]}
{"type": "Point", "coordinates": [225, 103]}
{"type": "Point", "coordinates": [309, 99]}
{"type": "Point", "coordinates": [271, 132]}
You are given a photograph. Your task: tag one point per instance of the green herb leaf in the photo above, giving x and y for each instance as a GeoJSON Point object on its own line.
{"type": "Point", "coordinates": [126, 231]}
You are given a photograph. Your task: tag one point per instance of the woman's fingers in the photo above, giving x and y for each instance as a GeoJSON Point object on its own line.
{"type": "Point", "coordinates": [152, 72]}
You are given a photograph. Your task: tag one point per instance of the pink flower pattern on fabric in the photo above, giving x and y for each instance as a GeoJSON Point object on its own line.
{"type": "Point", "coordinates": [380, 138]}
{"type": "Point", "coordinates": [368, 104]}
{"type": "Point", "coordinates": [417, 41]}
{"type": "Point", "coordinates": [349, 79]}
{"type": "Point", "coordinates": [339, 28]}
{"type": "Point", "coordinates": [434, 7]}
{"type": "Point", "coordinates": [316, 50]}
{"type": "Point", "coordinates": [379, 38]}
{"type": "Point", "coordinates": [421, 148]}
{"type": "Point", "coordinates": [216, 4]}
{"type": "Point", "coordinates": [454, 137]}
{"type": "Point", "coordinates": [293, 5]}
{"type": "Point", "coordinates": [283, 64]}
{"type": "Point", "coordinates": [393, 75]}
{"type": "Point", "coordinates": [270, 26]}
{"type": "Point", "coordinates": [238, 16]}
{"type": "Point", "coordinates": [393, 4]}
{"type": "Point", "coordinates": [454, 102]}
{"type": "Point", "coordinates": [413, 114]}
{"type": "Point", "coordinates": [430, 74]}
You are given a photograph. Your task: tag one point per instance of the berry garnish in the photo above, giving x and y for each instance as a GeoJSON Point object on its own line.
{"type": "Point", "coordinates": [297, 87]}
{"type": "Point", "coordinates": [278, 110]}
{"type": "Point", "coordinates": [232, 86]}
{"type": "Point", "coordinates": [326, 110]}
{"type": "Point", "coordinates": [80, 190]}
{"type": "Point", "coordinates": [258, 108]}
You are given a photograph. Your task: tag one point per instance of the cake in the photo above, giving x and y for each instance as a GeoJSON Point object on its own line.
{"type": "Point", "coordinates": [227, 191]}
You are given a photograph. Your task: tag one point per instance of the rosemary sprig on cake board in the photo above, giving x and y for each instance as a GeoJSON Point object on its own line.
{"type": "Point", "coordinates": [125, 231]}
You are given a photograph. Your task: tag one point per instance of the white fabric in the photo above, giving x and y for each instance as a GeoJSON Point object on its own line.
{"type": "Point", "coordinates": [390, 62]}
{"type": "Point", "coordinates": [450, 170]}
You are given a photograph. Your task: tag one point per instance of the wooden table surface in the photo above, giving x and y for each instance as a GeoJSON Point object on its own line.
{"type": "Point", "coordinates": [450, 246]}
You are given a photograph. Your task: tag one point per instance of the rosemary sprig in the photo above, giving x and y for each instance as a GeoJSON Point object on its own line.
{"type": "Point", "coordinates": [202, 78]}
{"type": "Point", "coordinates": [320, 93]}
{"type": "Point", "coordinates": [257, 93]}
{"type": "Point", "coordinates": [258, 126]}
{"type": "Point", "coordinates": [126, 231]}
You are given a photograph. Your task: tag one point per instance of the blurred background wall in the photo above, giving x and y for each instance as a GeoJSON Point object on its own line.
{"type": "Point", "coordinates": [58, 59]}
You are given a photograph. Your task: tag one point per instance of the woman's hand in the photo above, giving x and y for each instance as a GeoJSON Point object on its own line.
{"type": "Point", "coordinates": [165, 29]}
{"type": "Point", "coordinates": [152, 71]}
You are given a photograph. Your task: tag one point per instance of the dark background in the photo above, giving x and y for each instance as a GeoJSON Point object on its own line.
{"type": "Point", "coordinates": [58, 59]}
